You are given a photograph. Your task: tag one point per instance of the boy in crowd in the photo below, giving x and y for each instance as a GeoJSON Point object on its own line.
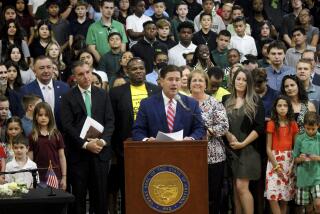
{"type": "Point", "coordinates": [60, 27]}
{"type": "Point", "coordinates": [216, 76]}
{"type": "Point", "coordinates": [237, 11]}
{"type": "Point", "coordinates": [160, 61]}
{"type": "Point", "coordinates": [20, 147]}
{"type": "Point", "coordinates": [299, 38]}
{"type": "Point", "coordinates": [134, 22]}
{"type": "Point", "coordinates": [217, 22]}
{"type": "Point", "coordinates": [163, 28]}
{"type": "Point", "coordinates": [205, 35]}
{"type": "Point", "coordinates": [306, 155]}
{"type": "Point", "coordinates": [182, 12]}
{"type": "Point", "coordinates": [277, 70]}
{"type": "Point", "coordinates": [80, 25]}
{"type": "Point", "coordinates": [244, 43]}
{"type": "Point", "coordinates": [264, 61]}
{"type": "Point", "coordinates": [29, 102]}
{"type": "Point", "coordinates": [220, 53]}
{"type": "Point", "coordinates": [110, 61]}
{"type": "Point", "coordinates": [159, 7]}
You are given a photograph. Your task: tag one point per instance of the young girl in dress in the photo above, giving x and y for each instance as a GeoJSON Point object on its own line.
{"type": "Point", "coordinates": [46, 144]}
{"type": "Point", "coordinates": [281, 130]}
{"type": "Point", "coordinates": [14, 128]}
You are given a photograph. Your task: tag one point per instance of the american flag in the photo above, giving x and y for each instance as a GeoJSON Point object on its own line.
{"type": "Point", "coordinates": [52, 180]}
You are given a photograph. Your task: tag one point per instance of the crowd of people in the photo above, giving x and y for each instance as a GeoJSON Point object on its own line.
{"type": "Point", "coordinates": [250, 68]}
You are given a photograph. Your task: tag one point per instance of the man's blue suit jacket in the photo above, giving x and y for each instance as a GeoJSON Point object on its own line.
{"type": "Point", "coordinates": [60, 88]}
{"type": "Point", "coordinates": [152, 118]}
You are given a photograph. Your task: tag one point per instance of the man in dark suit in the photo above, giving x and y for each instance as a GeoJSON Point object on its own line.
{"type": "Point", "coordinates": [88, 159]}
{"type": "Point", "coordinates": [312, 57]}
{"type": "Point", "coordinates": [49, 90]}
{"type": "Point", "coordinates": [162, 112]}
{"type": "Point", "coordinates": [122, 98]}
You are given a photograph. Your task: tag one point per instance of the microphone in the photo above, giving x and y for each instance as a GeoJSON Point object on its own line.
{"type": "Point", "coordinates": [177, 98]}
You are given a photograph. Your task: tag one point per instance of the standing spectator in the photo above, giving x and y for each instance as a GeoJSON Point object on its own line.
{"type": "Point", "coordinates": [220, 53]}
{"type": "Point", "coordinates": [29, 102]}
{"type": "Point", "coordinates": [163, 29]}
{"type": "Point", "coordinates": [215, 118]}
{"type": "Point", "coordinates": [226, 14]}
{"type": "Point", "coordinates": [217, 24]}
{"type": "Point", "coordinates": [194, 9]}
{"type": "Point", "coordinates": [11, 34]}
{"type": "Point", "coordinates": [304, 19]}
{"type": "Point", "coordinates": [281, 131]}
{"type": "Point", "coordinates": [205, 35]}
{"type": "Point", "coordinates": [264, 34]}
{"type": "Point", "coordinates": [300, 40]}
{"type": "Point", "coordinates": [25, 20]}
{"type": "Point", "coordinates": [60, 27]}
{"type": "Point", "coordinates": [186, 71]}
{"type": "Point", "coordinates": [146, 47]}
{"type": "Point", "coordinates": [98, 32]}
{"type": "Point", "coordinates": [244, 43]}
{"type": "Point", "coordinates": [80, 25]}
{"type": "Point", "coordinates": [201, 59]}
{"type": "Point", "coordinates": [14, 81]}
{"type": "Point", "coordinates": [54, 51]}
{"type": "Point", "coordinates": [185, 45]}
{"type": "Point", "coordinates": [160, 61]}
{"type": "Point", "coordinates": [33, 6]}
{"type": "Point", "coordinates": [88, 159]}
{"type": "Point", "coordinates": [43, 37]}
{"type": "Point", "coordinates": [159, 7]}
{"type": "Point", "coordinates": [293, 88]}
{"type": "Point", "coordinates": [246, 122]}
{"type": "Point", "coordinates": [134, 22]}
{"type": "Point", "coordinates": [303, 69]}
{"type": "Point", "coordinates": [15, 54]}
{"type": "Point", "coordinates": [288, 22]}
{"type": "Point", "coordinates": [182, 12]}
{"type": "Point", "coordinates": [264, 60]}
{"type": "Point", "coordinates": [110, 61]}
{"type": "Point", "coordinates": [49, 90]}
{"type": "Point", "coordinates": [277, 70]}
{"type": "Point", "coordinates": [124, 11]}
{"type": "Point", "coordinates": [125, 102]}
{"type": "Point", "coordinates": [312, 57]}
{"type": "Point", "coordinates": [216, 76]}
{"type": "Point", "coordinates": [237, 11]}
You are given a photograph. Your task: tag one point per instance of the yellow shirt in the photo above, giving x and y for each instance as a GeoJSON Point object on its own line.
{"type": "Point", "coordinates": [137, 94]}
{"type": "Point", "coordinates": [220, 93]}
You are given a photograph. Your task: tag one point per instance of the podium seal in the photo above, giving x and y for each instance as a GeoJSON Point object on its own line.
{"type": "Point", "coordinates": [165, 188]}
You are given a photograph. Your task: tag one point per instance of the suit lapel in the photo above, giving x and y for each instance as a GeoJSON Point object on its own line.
{"type": "Point", "coordinates": [37, 88]}
{"type": "Point", "coordinates": [94, 100]}
{"type": "Point", "coordinates": [161, 111]}
{"type": "Point", "coordinates": [79, 98]}
{"type": "Point", "coordinates": [127, 98]}
{"type": "Point", "coordinates": [177, 118]}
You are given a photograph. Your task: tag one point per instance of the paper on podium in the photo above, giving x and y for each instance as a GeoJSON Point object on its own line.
{"type": "Point", "coordinates": [91, 129]}
{"type": "Point", "coordinates": [161, 136]}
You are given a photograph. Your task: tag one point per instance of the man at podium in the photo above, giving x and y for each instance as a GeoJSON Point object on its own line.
{"type": "Point", "coordinates": [168, 111]}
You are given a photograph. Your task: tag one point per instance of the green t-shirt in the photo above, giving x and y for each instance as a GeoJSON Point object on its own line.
{"type": "Point", "coordinates": [220, 58]}
{"type": "Point", "coordinates": [308, 173]}
{"type": "Point", "coordinates": [98, 35]}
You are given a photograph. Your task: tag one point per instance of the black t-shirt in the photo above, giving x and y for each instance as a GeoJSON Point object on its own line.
{"type": "Point", "coordinates": [208, 39]}
{"type": "Point", "coordinates": [77, 28]}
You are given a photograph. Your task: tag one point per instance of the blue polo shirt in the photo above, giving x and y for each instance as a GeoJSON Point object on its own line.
{"type": "Point", "coordinates": [275, 77]}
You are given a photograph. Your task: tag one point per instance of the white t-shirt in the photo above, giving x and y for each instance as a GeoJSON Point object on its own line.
{"type": "Point", "coordinates": [176, 54]}
{"type": "Point", "coordinates": [102, 74]}
{"type": "Point", "coordinates": [135, 23]}
{"type": "Point", "coordinates": [245, 45]}
{"type": "Point", "coordinates": [35, 4]}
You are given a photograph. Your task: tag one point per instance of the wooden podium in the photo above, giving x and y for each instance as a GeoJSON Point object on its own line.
{"type": "Point", "coordinates": [166, 177]}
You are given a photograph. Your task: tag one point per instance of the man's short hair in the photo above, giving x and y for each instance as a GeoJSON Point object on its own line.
{"type": "Point", "coordinates": [29, 99]}
{"type": "Point", "coordinates": [114, 34]}
{"type": "Point", "coordinates": [41, 57]}
{"type": "Point", "coordinates": [239, 19]}
{"type": "Point", "coordinates": [103, 1]}
{"type": "Point", "coordinates": [278, 45]}
{"type": "Point", "coordinates": [82, 3]}
{"type": "Point", "coordinates": [299, 28]}
{"type": "Point", "coordinates": [304, 61]}
{"type": "Point", "coordinates": [311, 118]}
{"type": "Point", "coordinates": [145, 24]}
{"type": "Point", "coordinates": [237, 7]}
{"type": "Point", "coordinates": [225, 33]}
{"type": "Point", "coordinates": [186, 24]}
{"type": "Point", "coordinates": [20, 139]}
{"type": "Point", "coordinates": [205, 14]}
{"type": "Point", "coordinates": [168, 69]}
{"type": "Point", "coordinates": [311, 51]}
{"type": "Point", "coordinates": [76, 64]}
{"type": "Point", "coordinates": [163, 23]}
{"type": "Point", "coordinates": [134, 59]}
{"type": "Point", "coordinates": [216, 72]}
{"type": "Point", "coordinates": [3, 98]}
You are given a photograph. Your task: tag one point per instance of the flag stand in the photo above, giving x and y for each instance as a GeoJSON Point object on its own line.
{"type": "Point", "coordinates": [52, 180]}
{"type": "Point", "coordinates": [51, 192]}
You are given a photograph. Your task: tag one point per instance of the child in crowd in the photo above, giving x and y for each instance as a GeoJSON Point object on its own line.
{"type": "Point", "coordinates": [14, 128]}
{"type": "Point", "coordinates": [29, 102]}
{"type": "Point", "coordinates": [54, 51]}
{"type": "Point", "coordinates": [244, 43]}
{"type": "Point", "coordinates": [20, 147]}
{"type": "Point", "coordinates": [237, 11]}
{"type": "Point", "coordinates": [307, 157]}
{"type": "Point", "coordinates": [4, 113]}
{"type": "Point", "coordinates": [220, 53]}
{"type": "Point", "coordinates": [80, 25]}
{"type": "Point", "coordinates": [163, 28]}
{"type": "Point", "coordinates": [205, 35]}
{"type": "Point", "coordinates": [14, 77]}
{"type": "Point", "coordinates": [182, 11]}
{"type": "Point", "coordinates": [46, 144]}
{"type": "Point", "coordinates": [281, 130]}
{"type": "Point", "coordinates": [159, 8]}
